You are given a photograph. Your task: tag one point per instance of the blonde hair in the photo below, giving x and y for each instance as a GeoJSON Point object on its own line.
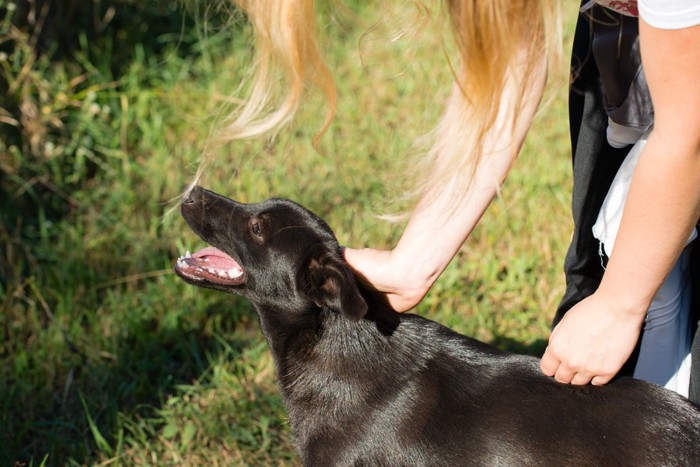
{"type": "Point", "coordinates": [491, 37]}
{"type": "Point", "coordinates": [287, 55]}
{"type": "Point", "coordinates": [502, 46]}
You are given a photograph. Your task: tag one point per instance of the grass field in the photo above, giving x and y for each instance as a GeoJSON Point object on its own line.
{"type": "Point", "coordinates": [106, 357]}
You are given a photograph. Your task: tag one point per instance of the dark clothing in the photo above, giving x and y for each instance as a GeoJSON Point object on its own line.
{"type": "Point", "coordinates": [615, 46]}
{"type": "Point", "coordinates": [694, 392]}
{"type": "Point", "coordinates": [595, 164]}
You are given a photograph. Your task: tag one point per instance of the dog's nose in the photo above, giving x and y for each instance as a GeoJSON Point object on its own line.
{"type": "Point", "coordinates": [192, 195]}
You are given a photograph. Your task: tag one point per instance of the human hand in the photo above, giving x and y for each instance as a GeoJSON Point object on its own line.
{"type": "Point", "coordinates": [381, 271]}
{"type": "Point", "coordinates": [592, 342]}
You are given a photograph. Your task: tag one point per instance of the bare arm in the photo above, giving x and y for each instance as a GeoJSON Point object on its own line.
{"type": "Point", "coordinates": [596, 337]}
{"type": "Point", "coordinates": [437, 229]}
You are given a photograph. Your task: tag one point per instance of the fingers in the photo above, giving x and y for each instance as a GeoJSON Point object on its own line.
{"type": "Point", "coordinates": [351, 256]}
{"type": "Point", "coordinates": [553, 366]}
{"type": "Point", "coordinates": [601, 380]}
{"type": "Point", "coordinates": [549, 363]}
{"type": "Point", "coordinates": [580, 379]}
{"type": "Point", "coordinates": [564, 374]}
{"type": "Point", "coordinates": [366, 264]}
{"type": "Point", "coordinates": [374, 269]}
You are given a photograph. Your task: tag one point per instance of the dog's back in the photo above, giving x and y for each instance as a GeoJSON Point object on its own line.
{"type": "Point", "coordinates": [367, 386]}
{"type": "Point", "coordinates": [424, 395]}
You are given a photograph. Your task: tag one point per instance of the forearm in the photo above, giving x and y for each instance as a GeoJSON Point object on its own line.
{"type": "Point", "coordinates": [440, 225]}
{"type": "Point", "coordinates": [662, 208]}
{"type": "Point", "coordinates": [447, 213]}
{"type": "Point", "coordinates": [663, 203]}
{"type": "Point", "coordinates": [443, 219]}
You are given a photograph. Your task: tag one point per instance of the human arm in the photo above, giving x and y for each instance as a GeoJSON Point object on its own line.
{"type": "Point", "coordinates": [597, 336]}
{"type": "Point", "coordinates": [443, 218]}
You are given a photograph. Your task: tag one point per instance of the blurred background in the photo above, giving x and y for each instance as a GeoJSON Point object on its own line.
{"type": "Point", "coordinates": [106, 107]}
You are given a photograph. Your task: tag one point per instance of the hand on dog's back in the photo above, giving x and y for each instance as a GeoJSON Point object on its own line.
{"type": "Point", "coordinates": [374, 268]}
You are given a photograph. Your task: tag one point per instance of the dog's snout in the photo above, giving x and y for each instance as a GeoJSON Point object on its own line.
{"type": "Point", "coordinates": [192, 195]}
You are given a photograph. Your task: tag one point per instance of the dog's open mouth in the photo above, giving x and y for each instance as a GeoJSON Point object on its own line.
{"type": "Point", "coordinates": [212, 265]}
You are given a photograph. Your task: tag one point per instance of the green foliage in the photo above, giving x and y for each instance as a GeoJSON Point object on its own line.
{"type": "Point", "coordinates": [105, 356]}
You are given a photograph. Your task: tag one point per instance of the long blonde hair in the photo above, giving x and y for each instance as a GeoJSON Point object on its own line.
{"type": "Point", "coordinates": [491, 37]}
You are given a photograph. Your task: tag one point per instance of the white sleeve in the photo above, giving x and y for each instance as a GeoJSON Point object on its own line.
{"type": "Point", "coordinates": [670, 14]}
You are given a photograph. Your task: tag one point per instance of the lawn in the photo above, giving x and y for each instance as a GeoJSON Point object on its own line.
{"type": "Point", "coordinates": [106, 357]}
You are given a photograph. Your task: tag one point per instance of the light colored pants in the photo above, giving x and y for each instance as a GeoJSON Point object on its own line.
{"type": "Point", "coordinates": [664, 355]}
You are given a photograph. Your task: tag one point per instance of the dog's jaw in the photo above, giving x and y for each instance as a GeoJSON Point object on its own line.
{"type": "Point", "coordinates": [210, 266]}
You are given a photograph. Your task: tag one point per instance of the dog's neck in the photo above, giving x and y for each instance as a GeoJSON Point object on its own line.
{"type": "Point", "coordinates": [325, 334]}
{"type": "Point", "coordinates": [329, 360]}
{"type": "Point", "coordinates": [286, 336]}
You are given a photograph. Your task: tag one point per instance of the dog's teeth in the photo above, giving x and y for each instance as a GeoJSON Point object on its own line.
{"type": "Point", "coordinates": [188, 254]}
{"type": "Point", "coordinates": [216, 272]}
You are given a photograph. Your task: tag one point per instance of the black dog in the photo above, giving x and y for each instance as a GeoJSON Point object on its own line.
{"type": "Point", "coordinates": [367, 386]}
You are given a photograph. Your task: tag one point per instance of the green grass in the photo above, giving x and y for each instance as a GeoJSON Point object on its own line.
{"type": "Point", "coordinates": [106, 357]}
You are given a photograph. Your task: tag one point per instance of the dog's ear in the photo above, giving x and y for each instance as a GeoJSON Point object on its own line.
{"type": "Point", "coordinates": [329, 282]}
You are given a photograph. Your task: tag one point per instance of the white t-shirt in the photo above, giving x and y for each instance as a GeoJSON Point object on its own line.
{"type": "Point", "coordinates": [662, 14]}
{"type": "Point", "coordinates": [670, 14]}
{"type": "Point", "coordinates": [610, 215]}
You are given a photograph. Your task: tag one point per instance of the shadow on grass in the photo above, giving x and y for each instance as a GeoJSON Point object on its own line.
{"type": "Point", "coordinates": [91, 402]}
{"type": "Point", "coordinates": [91, 373]}
{"type": "Point", "coordinates": [535, 348]}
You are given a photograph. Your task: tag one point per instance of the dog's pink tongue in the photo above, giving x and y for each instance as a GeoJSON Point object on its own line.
{"type": "Point", "coordinates": [215, 258]}
{"type": "Point", "coordinates": [210, 264]}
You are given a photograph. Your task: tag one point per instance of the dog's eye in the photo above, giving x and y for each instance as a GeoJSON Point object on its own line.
{"type": "Point", "coordinates": [255, 228]}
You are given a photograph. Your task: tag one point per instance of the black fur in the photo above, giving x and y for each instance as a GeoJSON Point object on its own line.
{"type": "Point", "coordinates": [367, 386]}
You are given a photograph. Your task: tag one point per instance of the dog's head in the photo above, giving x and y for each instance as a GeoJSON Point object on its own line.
{"type": "Point", "coordinates": [275, 253]}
